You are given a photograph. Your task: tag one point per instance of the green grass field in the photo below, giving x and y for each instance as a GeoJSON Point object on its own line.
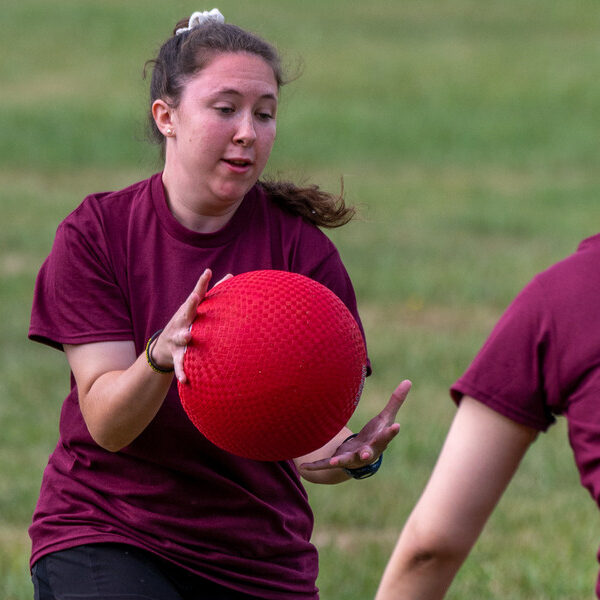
{"type": "Point", "coordinates": [468, 135]}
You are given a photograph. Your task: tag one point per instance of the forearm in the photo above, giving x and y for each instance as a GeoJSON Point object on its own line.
{"type": "Point", "coordinates": [119, 392]}
{"type": "Point", "coordinates": [479, 457]}
{"type": "Point", "coordinates": [418, 573]}
{"type": "Point", "coordinates": [120, 404]}
{"type": "Point", "coordinates": [426, 582]}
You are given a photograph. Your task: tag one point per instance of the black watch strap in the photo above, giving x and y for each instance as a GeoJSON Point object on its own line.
{"type": "Point", "coordinates": [366, 471]}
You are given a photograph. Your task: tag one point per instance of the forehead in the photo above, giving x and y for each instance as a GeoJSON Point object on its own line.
{"type": "Point", "coordinates": [235, 71]}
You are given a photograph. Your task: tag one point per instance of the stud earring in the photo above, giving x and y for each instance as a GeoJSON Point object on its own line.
{"type": "Point", "coordinates": [169, 132]}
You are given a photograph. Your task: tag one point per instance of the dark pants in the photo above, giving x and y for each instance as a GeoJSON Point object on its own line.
{"type": "Point", "coordinates": [119, 572]}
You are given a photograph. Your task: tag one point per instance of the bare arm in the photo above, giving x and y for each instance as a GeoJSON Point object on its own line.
{"type": "Point", "coordinates": [326, 464]}
{"type": "Point", "coordinates": [480, 455]}
{"type": "Point", "coordinates": [119, 394]}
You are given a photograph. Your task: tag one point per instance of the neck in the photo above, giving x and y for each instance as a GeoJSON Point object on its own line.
{"type": "Point", "coordinates": [192, 211]}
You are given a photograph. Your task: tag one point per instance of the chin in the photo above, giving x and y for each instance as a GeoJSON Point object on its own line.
{"type": "Point", "coordinates": [234, 194]}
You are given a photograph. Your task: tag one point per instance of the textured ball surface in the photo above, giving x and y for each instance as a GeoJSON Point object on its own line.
{"type": "Point", "coordinates": [275, 366]}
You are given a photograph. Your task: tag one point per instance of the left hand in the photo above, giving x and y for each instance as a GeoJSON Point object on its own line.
{"type": "Point", "coordinates": [372, 439]}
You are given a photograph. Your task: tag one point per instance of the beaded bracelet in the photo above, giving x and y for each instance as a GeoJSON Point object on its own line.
{"type": "Point", "coordinates": [151, 362]}
{"type": "Point", "coordinates": [367, 470]}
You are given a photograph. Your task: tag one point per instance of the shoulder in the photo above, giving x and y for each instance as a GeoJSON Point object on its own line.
{"type": "Point", "coordinates": [110, 204]}
{"type": "Point", "coordinates": [305, 248]}
{"type": "Point", "coordinates": [583, 258]}
{"type": "Point", "coordinates": [561, 281]}
{"type": "Point", "coordinates": [290, 222]}
{"type": "Point", "coordinates": [105, 214]}
{"type": "Point", "coordinates": [572, 278]}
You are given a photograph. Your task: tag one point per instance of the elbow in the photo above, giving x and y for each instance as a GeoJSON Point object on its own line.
{"type": "Point", "coordinates": [108, 442]}
{"type": "Point", "coordinates": [112, 447]}
{"type": "Point", "coordinates": [102, 429]}
{"type": "Point", "coordinates": [422, 566]}
{"type": "Point", "coordinates": [432, 552]}
{"type": "Point", "coordinates": [106, 437]}
{"type": "Point", "coordinates": [439, 553]}
{"type": "Point", "coordinates": [423, 558]}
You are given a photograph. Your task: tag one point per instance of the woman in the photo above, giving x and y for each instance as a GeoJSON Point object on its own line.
{"type": "Point", "coordinates": [541, 360]}
{"type": "Point", "coordinates": [134, 501]}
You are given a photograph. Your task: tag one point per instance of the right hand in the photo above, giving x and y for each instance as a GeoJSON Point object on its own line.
{"type": "Point", "coordinates": [169, 348]}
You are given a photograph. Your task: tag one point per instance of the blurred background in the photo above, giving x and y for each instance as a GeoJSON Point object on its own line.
{"type": "Point", "coordinates": [466, 132]}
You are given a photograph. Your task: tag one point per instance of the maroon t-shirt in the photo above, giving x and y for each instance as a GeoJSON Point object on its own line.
{"type": "Point", "coordinates": [120, 266]}
{"type": "Point", "coordinates": [543, 358]}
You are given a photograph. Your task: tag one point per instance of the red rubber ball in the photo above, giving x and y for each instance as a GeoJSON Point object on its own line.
{"type": "Point", "coordinates": [275, 366]}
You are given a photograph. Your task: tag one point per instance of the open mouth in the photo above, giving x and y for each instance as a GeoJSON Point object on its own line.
{"type": "Point", "coordinates": [238, 162]}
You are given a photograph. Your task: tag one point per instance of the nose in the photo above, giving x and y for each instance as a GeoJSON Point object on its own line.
{"type": "Point", "coordinates": [245, 134]}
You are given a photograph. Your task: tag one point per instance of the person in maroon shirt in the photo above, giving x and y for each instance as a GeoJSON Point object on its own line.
{"type": "Point", "coordinates": [135, 502]}
{"type": "Point", "coordinates": [542, 359]}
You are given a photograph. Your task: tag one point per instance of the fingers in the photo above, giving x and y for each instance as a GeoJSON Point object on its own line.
{"type": "Point", "coordinates": [202, 284]}
{"type": "Point", "coordinates": [190, 306]}
{"type": "Point", "coordinates": [170, 345]}
{"type": "Point", "coordinates": [178, 366]}
{"type": "Point", "coordinates": [358, 456]}
{"type": "Point", "coordinates": [198, 293]}
{"type": "Point", "coordinates": [396, 401]}
{"type": "Point", "coordinates": [228, 276]}
{"type": "Point", "coordinates": [380, 443]}
{"type": "Point", "coordinates": [189, 309]}
{"type": "Point", "coordinates": [348, 460]}
{"type": "Point", "coordinates": [369, 451]}
{"type": "Point", "coordinates": [320, 465]}
{"type": "Point", "coordinates": [372, 440]}
{"type": "Point", "coordinates": [184, 319]}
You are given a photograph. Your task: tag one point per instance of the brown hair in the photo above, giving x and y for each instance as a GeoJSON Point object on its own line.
{"type": "Point", "coordinates": [184, 54]}
{"type": "Point", "coordinates": [311, 202]}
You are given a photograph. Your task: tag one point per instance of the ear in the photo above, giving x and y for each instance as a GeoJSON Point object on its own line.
{"type": "Point", "coordinates": [163, 117]}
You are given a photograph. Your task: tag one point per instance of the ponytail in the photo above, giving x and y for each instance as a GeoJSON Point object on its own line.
{"type": "Point", "coordinates": [312, 203]}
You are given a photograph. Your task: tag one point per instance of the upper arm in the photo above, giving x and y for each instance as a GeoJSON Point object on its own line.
{"type": "Point", "coordinates": [88, 362]}
{"type": "Point", "coordinates": [479, 457]}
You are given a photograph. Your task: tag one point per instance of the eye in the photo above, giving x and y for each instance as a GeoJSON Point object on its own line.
{"type": "Point", "coordinates": [226, 110]}
{"type": "Point", "coordinates": [264, 116]}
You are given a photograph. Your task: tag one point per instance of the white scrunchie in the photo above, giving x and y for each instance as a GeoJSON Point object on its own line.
{"type": "Point", "coordinates": [198, 18]}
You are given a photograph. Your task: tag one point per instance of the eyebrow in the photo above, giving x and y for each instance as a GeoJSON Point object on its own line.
{"type": "Point", "coordinates": [234, 92]}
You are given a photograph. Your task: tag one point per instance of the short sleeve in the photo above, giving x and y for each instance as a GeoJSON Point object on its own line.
{"type": "Point", "coordinates": [77, 298]}
{"type": "Point", "coordinates": [514, 369]}
{"type": "Point", "coordinates": [331, 272]}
